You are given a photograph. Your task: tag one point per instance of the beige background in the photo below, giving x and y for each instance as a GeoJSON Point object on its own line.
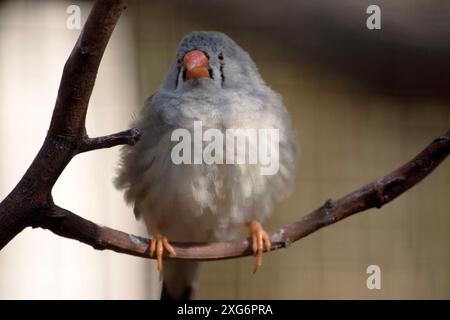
{"type": "Point", "coordinates": [349, 134]}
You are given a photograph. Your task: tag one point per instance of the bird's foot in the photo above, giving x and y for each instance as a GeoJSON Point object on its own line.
{"type": "Point", "coordinates": [260, 240]}
{"type": "Point", "coordinates": [159, 243]}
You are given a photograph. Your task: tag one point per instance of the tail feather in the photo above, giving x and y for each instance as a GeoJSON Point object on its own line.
{"type": "Point", "coordinates": [179, 280]}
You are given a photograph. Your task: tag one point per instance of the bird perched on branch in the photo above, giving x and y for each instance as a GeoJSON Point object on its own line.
{"type": "Point", "coordinates": [218, 186]}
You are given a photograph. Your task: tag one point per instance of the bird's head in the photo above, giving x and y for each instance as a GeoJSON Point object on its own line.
{"type": "Point", "coordinates": [211, 60]}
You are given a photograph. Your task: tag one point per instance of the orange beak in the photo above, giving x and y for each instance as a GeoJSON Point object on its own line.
{"type": "Point", "coordinates": [196, 64]}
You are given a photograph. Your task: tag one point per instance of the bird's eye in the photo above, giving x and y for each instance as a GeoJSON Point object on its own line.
{"type": "Point", "coordinates": [179, 61]}
{"type": "Point", "coordinates": [220, 56]}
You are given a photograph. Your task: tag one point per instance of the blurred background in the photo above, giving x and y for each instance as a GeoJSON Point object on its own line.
{"type": "Point", "coordinates": [363, 102]}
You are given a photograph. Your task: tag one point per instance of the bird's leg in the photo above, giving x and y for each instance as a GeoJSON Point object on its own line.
{"type": "Point", "coordinates": [260, 239]}
{"type": "Point", "coordinates": [159, 243]}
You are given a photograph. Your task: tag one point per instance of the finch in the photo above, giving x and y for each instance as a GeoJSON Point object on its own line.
{"type": "Point", "coordinates": [214, 83]}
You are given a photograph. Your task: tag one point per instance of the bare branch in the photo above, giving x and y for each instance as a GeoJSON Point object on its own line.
{"type": "Point", "coordinates": [31, 204]}
{"type": "Point", "coordinates": [80, 70]}
{"type": "Point", "coordinates": [373, 195]}
{"type": "Point", "coordinates": [67, 128]}
{"type": "Point", "coordinates": [130, 137]}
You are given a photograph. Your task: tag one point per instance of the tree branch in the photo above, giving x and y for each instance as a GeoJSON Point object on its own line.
{"type": "Point", "coordinates": [80, 70]}
{"type": "Point", "coordinates": [130, 137]}
{"type": "Point", "coordinates": [373, 195]}
{"type": "Point", "coordinates": [67, 133]}
{"type": "Point", "coordinates": [30, 203]}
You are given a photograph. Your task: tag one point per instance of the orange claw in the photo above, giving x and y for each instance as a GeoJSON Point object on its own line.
{"type": "Point", "coordinates": [157, 244]}
{"type": "Point", "coordinates": [260, 240]}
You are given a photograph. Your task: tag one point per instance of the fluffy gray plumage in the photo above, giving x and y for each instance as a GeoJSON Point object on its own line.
{"type": "Point", "coordinates": [200, 202]}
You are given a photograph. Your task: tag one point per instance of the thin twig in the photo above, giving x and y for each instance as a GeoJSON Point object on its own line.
{"type": "Point", "coordinates": [129, 137]}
